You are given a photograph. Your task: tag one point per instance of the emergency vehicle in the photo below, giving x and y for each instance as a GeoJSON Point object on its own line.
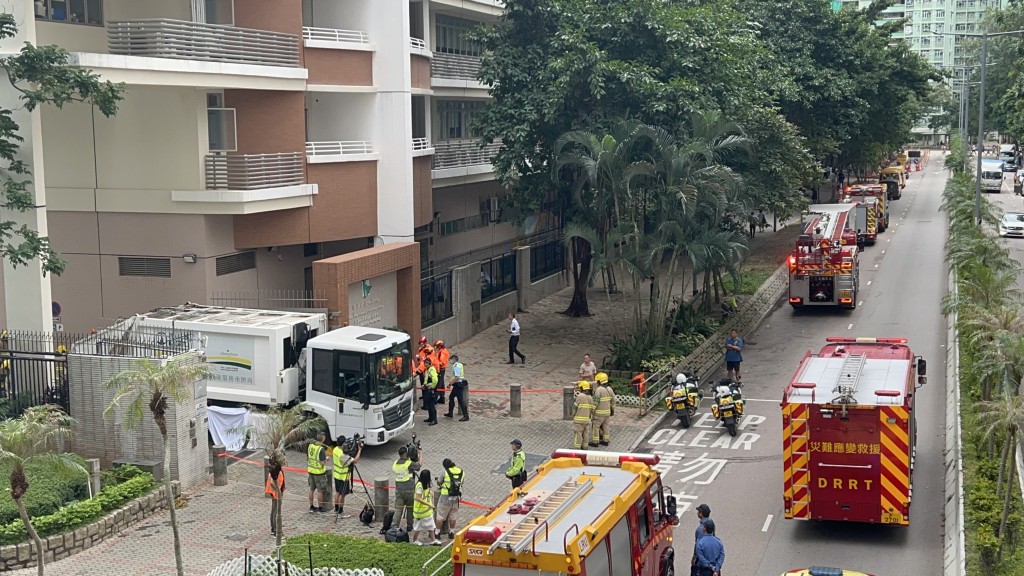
{"type": "Point", "coordinates": [848, 432]}
{"type": "Point", "coordinates": [584, 513]}
{"type": "Point", "coordinates": [824, 268]}
{"type": "Point", "coordinates": [874, 197]}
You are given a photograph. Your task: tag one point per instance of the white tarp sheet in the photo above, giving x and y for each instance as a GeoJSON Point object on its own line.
{"type": "Point", "coordinates": [227, 426]}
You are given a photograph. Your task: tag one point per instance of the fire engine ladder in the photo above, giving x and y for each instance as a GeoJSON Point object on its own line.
{"type": "Point", "coordinates": [849, 376]}
{"type": "Point", "coordinates": [803, 471]}
{"type": "Point", "coordinates": [520, 535]}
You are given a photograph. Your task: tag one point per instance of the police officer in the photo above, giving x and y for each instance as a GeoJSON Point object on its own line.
{"type": "Point", "coordinates": [343, 476]}
{"type": "Point", "coordinates": [316, 466]}
{"type": "Point", "coordinates": [405, 471]}
{"type": "Point", "coordinates": [459, 390]}
{"type": "Point", "coordinates": [429, 386]}
{"type": "Point", "coordinates": [604, 400]}
{"type": "Point", "coordinates": [582, 415]}
{"type": "Point", "coordinates": [517, 467]}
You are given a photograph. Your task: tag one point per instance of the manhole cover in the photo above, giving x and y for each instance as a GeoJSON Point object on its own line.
{"type": "Point", "coordinates": [237, 537]}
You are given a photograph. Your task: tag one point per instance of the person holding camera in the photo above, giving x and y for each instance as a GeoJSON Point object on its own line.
{"type": "Point", "coordinates": [405, 470]}
{"type": "Point", "coordinates": [448, 502]}
{"type": "Point", "coordinates": [343, 463]}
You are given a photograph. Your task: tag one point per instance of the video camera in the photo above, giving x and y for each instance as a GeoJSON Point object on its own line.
{"type": "Point", "coordinates": [413, 448]}
{"type": "Point", "coordinates": [352, 445]}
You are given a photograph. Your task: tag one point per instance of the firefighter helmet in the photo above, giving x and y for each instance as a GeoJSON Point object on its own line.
{"type": "Point", "coordinates": [601, 378]}
{"type": "Point", "coordinates": [423, 340]}
{"type": "Point", "coordinates": [584, 385]}
{"type": "Point", "coordinates": [680, 378]}
{"type": "Point", "coordinates": [439, 344]}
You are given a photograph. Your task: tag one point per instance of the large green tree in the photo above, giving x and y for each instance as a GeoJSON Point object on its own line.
{"type": "Point", "coordinates": [41, 75]}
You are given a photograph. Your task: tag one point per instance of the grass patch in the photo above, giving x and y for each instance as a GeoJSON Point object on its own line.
{"type": "Point", "coordinates": [349, 552]}
{"type": "Point", "coordinates": [47, 492]}
{"type": "Point", "coordinates": [751, 280]}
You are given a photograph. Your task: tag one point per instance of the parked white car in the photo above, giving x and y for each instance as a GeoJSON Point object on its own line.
{"type": "Point", "coordinates": [1012, 224]}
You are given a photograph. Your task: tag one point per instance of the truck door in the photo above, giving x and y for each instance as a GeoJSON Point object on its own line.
{"type": "Point", "coordinates": [845, 464]}
{"type": "Point", "coordinates": [340, 390]}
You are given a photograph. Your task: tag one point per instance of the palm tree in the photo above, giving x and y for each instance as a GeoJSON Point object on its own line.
{"type": "Point", "coordinates": [281, 429]}
{"type": "Point", "coordinates": [36, 436]}
{"type": "Point", "coordinates": [153, 385]}
{"type": "Point", "coordinates": [1003, 417]}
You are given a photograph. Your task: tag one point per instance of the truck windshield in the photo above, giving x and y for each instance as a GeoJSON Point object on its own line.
{"type": "Point", "coordinates": [992, 175]}
{"type": "Point", "coordinates": [393, 375]}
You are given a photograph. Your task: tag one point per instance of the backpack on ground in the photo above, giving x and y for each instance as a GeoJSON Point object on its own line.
{"type": "Point", "coordinates": [396, 535]}
{"type": "Point", "coordinates": [367, 515]}
{"type": "Point", "coordinates": [455, 483]}
{"type": "Point", "coordinates": [389, 519]}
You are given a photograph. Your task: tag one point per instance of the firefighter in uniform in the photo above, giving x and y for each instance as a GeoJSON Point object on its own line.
{"type": "Point", "coordinates": [441, 355]}
{"type": "Point", "coordinates": [604, 402]}
{"type": "Point", "coordinates": [582, 415]}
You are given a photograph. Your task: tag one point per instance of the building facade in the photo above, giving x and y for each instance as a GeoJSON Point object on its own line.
{"type": "Point", "coordinates": [255, 138]}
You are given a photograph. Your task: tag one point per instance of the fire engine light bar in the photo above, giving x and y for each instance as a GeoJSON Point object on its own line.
{"type": "Point", "coordinates": [891, 393]}
{"type": "Point", "coordinates": [796, 300]}
{"type": "Point", "coordinates": [594, 458]}
{"type": "Point", "coordinates": [862, 340]}
{"type": "Point", "coordinates": [482, 534]}
{"type": "Point", "coordinates": [846, 300]}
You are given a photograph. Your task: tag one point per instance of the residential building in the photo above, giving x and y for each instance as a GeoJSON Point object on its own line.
{"type": "Point", "coordinates": [257, 137]}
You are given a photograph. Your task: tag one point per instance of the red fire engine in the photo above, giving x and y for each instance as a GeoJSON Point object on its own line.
{"type": "Point", "coordinates": [824, 268]}
{"type": "Point", "coordinates": [583, 513]}
{"type": "Point", "coordinates": [848, 432]}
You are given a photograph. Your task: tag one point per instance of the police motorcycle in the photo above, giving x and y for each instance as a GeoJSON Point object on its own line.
{"type": "Point", "coordinates": [728, 404]}
{"type": "Point", "coordinates": [684, 397]}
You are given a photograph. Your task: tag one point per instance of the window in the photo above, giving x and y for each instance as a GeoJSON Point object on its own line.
{"type": "Point", "coordinates": [456, 119]}
{"type": "Point", "coordinates": [926, 15]}
{"type": "Point", "coordinates": [393, 369]}
{"type": "Point", "coordinates": [497, 277]}
{"type": "Point", "coordinates": [338, 373]}
{"type": "Point", "coordinates": [236, 263]}
{"type": "Point", "coordinates": [643, 521]}
{"type": "Point", "coordinates": [322, 370]}
{"type": "Point", "coordinates": [70, 11]}
{"type": "Point", "coordinates": [451, 38]}
{"type": "Point", "coordinates": [546, 259]}
{"type": "Point", "coordinates": [220, 124]}
{"type": "Point", "coordinates": [153, 267]}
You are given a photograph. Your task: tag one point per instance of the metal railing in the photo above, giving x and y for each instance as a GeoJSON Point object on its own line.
{"type": "Point", "coordinates": [459, 153]}
{"type": "Point", "coordinates": [253, 171]}
{"type": "Point", "coordinates": [339, 148]}
{"type": "Point", "coordinates": [497, 276]}
{"type": "Point", "coordinates": [547, 259]}
{"type": "Point", "coordinates": [334, 35]}
{"type": "Point", "coordinates": [180, 39]}
{"type": "Point", "coordinates": [420, 143]}
{"type": "Point", "coordinates": [417, 43]}
{"type": "Point", "coordinates": [492, 251]}
{"type": "Point", "coordinates": [455, 67]}
{"type": "Point", "coordinates": [436, 299]}
{"type": "Point", "coordinates": [285, 300]}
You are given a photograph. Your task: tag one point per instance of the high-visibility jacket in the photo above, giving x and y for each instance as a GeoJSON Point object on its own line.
{"type": "Point", "coordinates": [401, 470]}
{"type": "Point", "coordinates": [431, 381]}
{"type": "Point", "coordinates": [314, 465]}
{"type": "Point", "coordinates": [584, 408]}
{"type": "Point", "coordinates": [420, 509]}
{"type": "Point", "coordinates": [421, 366]}
{"type": "Point", "coordinates": [452, 474]}
{"type": "Point", "coordinates": [517, 465]}
{"type": "Point", "coordinates": [275, 493]}
{"type": "Point", "coordinates": [342, 465]}
{"type": "Point", "coordinates": [604, 399]}
{"type": "Point", "coordinates": [442, 355]}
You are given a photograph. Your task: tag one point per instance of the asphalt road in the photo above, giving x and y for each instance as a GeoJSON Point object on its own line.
{"type": "Point", "coordinates": [1006, 201]}
{"type": "Point", "coordinates": [902, 282]}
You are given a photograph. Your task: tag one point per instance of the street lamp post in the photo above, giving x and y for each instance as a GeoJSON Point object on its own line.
{"type": "Point", "coordinates": [981, 107]}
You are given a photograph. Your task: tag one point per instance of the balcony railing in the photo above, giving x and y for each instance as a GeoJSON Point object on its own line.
{"type": "Point", "coordinates": [420, 143]}
{"type": "Point", "coordinates": [253, 171]}
{"type": "Point", "coordinates": [455, 67]}
{"type": "Point", "coordinates": [417, 43]}
{"type": "Point", "coordinates": [338, 148]}
{"type": "Point", "coordinates": [334, 35]}
{"type": "Point", "coordinates": [179, 39]}
{"type": "Point", "coordinates": [459, 153]}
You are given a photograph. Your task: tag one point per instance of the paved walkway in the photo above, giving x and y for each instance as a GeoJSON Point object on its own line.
{"type": "Point", "coordinates": [221, 522]}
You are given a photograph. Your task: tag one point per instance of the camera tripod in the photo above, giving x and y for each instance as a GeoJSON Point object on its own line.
{"type": "Point", "coordinates": [369, 500]}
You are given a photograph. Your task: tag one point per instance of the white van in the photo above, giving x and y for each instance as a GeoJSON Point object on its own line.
{"type": "Point", "coordinates": [992, 176]}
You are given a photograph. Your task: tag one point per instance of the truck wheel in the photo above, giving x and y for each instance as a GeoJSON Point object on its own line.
{"type": "Point", "coordinates": [668, 563]}
{"type": "Point", "coordinates": [731, 427]}
{"type": "Point", "coordinates": [684, 417]}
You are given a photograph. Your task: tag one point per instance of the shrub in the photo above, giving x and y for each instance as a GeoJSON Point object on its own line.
{"type": "Point", "coordinates": [331, 550]}
{"type": "Point", "coordinates": [47, 492]}
{"type": "Point", "coordinates": [119, 474]}
{"type": "Point", "coordinates": [751, 280]}
{"type": "Point", "coordinates": [79, 513]}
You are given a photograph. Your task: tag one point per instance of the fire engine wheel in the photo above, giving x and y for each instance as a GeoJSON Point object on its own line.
{"type": "Point", "coordinates": [684, 418]}
{"type": "Point", "coordinates": [731, 427]}
{"type": "Point", "coordinates": [668, 562]}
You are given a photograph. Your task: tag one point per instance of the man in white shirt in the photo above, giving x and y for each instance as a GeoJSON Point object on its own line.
{"type": "Point", "coordinates": [588, 369]}
{"type": "Point", "coordinates": [513, 340]}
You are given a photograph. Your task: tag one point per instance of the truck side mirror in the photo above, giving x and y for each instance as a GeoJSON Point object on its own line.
{"type": "Point", "coordinates": [922, 367]}
{"type": "Point", "coordinates": [670, 505]}
{"type": "Point", "coordinates": [364, 392]}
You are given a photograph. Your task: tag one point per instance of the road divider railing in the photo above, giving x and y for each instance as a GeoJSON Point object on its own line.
{"type": "Point", "coordinates": [954, 555]}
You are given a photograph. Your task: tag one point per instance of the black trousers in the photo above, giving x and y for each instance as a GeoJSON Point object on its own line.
{"type": "Point", "coordinates": [458, 392]}
{"type": "Point", "coordinates": [428, 397]}
{"type": "Point", "coordinates": [513, 348]}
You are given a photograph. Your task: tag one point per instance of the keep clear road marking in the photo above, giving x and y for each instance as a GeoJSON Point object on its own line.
{"type": "Point", "coordinates": [883, 251]}
{"type": "Point", "coordinates": [767, 521]}
{"type": "Point", "coordinates": [869, 282]}
{"type": "Point", "coordinates": [850, 327]}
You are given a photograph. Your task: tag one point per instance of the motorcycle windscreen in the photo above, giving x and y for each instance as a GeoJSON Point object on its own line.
{"type": "Point", "coordinates": [845, 464]}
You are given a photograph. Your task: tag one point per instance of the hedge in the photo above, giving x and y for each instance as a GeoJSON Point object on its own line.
{"type": "Point", "coordinates": [349, 552]}
{"type": "Point", "coordinates": [80, 513]}
{"type": "Point", "coordinates": [47, 492]}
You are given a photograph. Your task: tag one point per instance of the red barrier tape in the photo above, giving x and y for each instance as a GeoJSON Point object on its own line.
{"type": "Point", "coordinates": [501, 391]}
{"type": "Point", "coordinates": [305, 471]}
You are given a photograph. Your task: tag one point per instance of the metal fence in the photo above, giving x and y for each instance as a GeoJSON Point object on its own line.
{"type": "Point", "coordinates": [254, 171]}
{"type": "Point", "coordinates": [184, 40]}
{"type": "Point", "coordinates": [436, 299]}
{"type": "Point", "coordinates": [455, 66]}
{"type": "Point", "coordinates": [492, 251]}
{"type": "Point", "coordinates": [284, 300]}
{"type": "Point", "coordinates": [273, 565]}
{"type": "Point", "coordinates": [546, 259]}
{"type": "Point", "coordinates": [459, 153]}
{"type": "Point", "coordinates": [497, 277]}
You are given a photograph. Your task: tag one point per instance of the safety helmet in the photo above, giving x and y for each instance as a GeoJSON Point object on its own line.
{"type": "Point", "coordinates": [439, 344]}
{"type": "Point", "coordinates": [423, 340]}
{"type": "Point", "coordinates": [427, 350]}
{"type": "Point", "coordinates": [428, 360]}
{"type": "Point", "coordinates": [584, 385]}
{"type": "Point", "coordinates": [601, 378]}
{"type": "Point", "coordinates": [419, 357]}
{"type": "Point", "coordinates": [680, 378]}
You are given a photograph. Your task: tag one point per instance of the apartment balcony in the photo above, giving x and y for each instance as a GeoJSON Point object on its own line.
{"type": "Point", "coordinates": [419, 65]}
{"type": "Point", "coordinates": [340, 151]}
{"type": "Point", "coordinates": [463, 158]}
{"type": "Point", "coordinates": [422, 147]}
{"type": "Point", "coordinates": [455, 71]}
{"type": "Point", "coordinates": [337, 60]}
{"type": "Point", "coordinates": [253, 171]}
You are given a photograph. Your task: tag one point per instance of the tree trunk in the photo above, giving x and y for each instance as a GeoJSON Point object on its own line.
{"type": "Point", "coordinates": [1012, 440]}
{"type": "Point", "coordinates": [1002, 467]}
{"type": "Point", "coordinates": [169, 491]}
{"type": "Point", "coordinates": [581, 261]}
{"type": "Point", "coordinates": [36, 540]}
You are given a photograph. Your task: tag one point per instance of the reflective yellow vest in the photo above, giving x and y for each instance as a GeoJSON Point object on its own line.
{"type": "Point", "coordinates": [314, 465]}
{"type": "Point", "coordinates": [419, 509]}
{"type": "Point", "coordinates": [342, 463]}
{"type": "Point", "coordinates": [431, 381]}
{"type": "Point", "coordinates": [447, 483]}
{"type": "Point", "coordinates": [401, 470]}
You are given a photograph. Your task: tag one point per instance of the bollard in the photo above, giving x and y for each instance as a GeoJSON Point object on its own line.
{"type": "Point", "coordinates": [220, 466]}
{"type": "Point", "coordinates": [515, 400]}
{"type": "Point", "coordinates": [93, 466]}
{"type": "Point", "coordinates": [381, 497]}
{"type": "Point", "coordinates": [568, 401]}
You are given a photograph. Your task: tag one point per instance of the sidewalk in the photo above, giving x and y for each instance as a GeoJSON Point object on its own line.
{"type": "Point", "coordinates": [221, 522]}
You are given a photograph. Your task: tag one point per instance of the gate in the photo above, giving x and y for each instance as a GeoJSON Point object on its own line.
{"type": "Point", "coordinates": [32, 378]}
